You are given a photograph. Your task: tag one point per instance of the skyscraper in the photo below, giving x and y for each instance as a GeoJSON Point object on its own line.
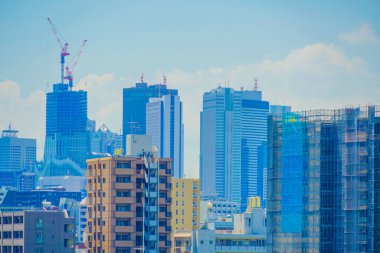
{"type": "Point", "coordinates": [233, 142]}
{"type": "Point", "coordinates": [134, 106]}
{"type": "Point", "coordinates": [323, 181]}
{"type": "Point", "coordinates": [164, 124]}
{"type": "Point", "coordinates": [66, 122]}
{"type": "Point", "coordinates": [17, 155]}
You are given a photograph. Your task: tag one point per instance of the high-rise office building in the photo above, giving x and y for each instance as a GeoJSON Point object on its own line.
{"type": "Point", "coordinates": [185, 204]}
{"type": "Point", "coordinates": [233, 144]}
{"type": "Point", "coordinates": [323, 181]}
{"type": "Point", "coordinates": [164, 124]}
{"type": "Point", "coordinates": [66, 123]}
{"type": "Point", "coordinates": [134, 106]}
{"type": "Point", "coordinates": [17, 155]}
{"type": "Point", "coordinates": [129, 201]}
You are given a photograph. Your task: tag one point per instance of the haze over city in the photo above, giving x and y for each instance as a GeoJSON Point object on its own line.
{"type": "Point", "coordinates": [306, 55]}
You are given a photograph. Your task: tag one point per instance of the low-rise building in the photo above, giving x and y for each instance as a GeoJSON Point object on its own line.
{"type": "Point", "coordinates": [36, 231]}
{"type": "Point", "coordinates": [185, 204]}
{"type": "Point", "coordinates": [247, 236]}
{"type": "Point", "coordinates": [216, 210]}
{"type": "Point", "coordinates": [78, 211]}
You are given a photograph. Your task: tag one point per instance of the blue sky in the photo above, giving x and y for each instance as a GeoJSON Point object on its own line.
{"type": "Point", "coordinates": [320, 54]}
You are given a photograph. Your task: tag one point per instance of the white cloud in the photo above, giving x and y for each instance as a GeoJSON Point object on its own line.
{"type": "Point", "coordinates": [315, 76]}
{"type": "Point", "coordinates": [361, 35]}
{"type": "Point", "coordinates": [26, 114]}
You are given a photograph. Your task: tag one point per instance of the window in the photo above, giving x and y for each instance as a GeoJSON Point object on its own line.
{"type": "Point", "coordinates": [7, 220]}
{"type": "Point", "coordinates": [123, 250]}
{"type": "Point", "coordinates": [123, 208]}
{"type": "Point", "coordinates": [18, 234]}
{"type": "Point", "coordinates": [125, 193]}
{"type": "Point", "coordinates": [18, 219]}
{"type": "Point", "coordinates": [7, 234]}
{"type": "Point", "coordinates": [39, 238]}
{"type": "Point", "coordinates": [17, 249]}
{"type": "Point", "coordinates": [39, 223]}
{"type": "Point", "coordinates": [123, 236]}
{"type": "Point", "coordinates": [123, 222]}
{"type": "Point", "coordinates": [125, 165]}
{"type": "Point", "coordinates": [123, 179]}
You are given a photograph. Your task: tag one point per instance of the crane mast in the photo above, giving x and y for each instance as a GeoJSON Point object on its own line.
{"type": "Point", "coordinates": [63, 45]}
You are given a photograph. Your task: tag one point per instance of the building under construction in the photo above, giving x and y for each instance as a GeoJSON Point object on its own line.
{"type": "Point", "coordinates": [324, 181]}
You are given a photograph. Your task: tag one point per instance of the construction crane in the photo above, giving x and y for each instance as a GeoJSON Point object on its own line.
{"type": "Point", "coordinates": [74, 61]}
{"type": "Point", "coordinates": [64, 47]}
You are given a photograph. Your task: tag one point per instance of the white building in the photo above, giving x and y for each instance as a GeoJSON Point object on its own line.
{"type": "Point", "coordinates": [164, 124]}
{"type": "Point", "coordinates": [247, 236]}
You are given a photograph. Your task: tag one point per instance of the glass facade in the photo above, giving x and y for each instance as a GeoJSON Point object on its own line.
{"type": "Point", "coordinates": [17, 155]}
{"type": "Point", "coordinates": [134, 106]}
{"type": "Point", "coordinates": [233, 133]}
{"type": "Point", "coordinates": [164, 124]}
{"type": "Point", "coordinates": [66, 122]}
{"type": "Point", "coordinates": [323, 171]}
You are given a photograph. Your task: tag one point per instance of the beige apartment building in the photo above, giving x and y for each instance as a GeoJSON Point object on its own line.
{"type": "Point", "coordinates": [185, 204]}
{"type": "Point", "coordinates": [36, 231]}
{"type": "Point", "coordinates": [128, 204]}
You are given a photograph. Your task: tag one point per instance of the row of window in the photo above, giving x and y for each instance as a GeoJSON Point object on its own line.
{"type": "Point", "coordinates": [16, 220]}
{"type": "Point", "coordinates": [8, 235]}
{"type": "Point", "coordinates": [16, 249]}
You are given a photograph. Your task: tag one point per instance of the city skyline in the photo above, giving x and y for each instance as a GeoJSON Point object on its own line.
{"type": "Point", "coordinates": [298, 55]}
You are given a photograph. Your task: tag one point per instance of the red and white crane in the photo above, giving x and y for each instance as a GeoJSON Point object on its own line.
{"type": "Point", "coordinates": [64, 47]}
{"type": "Point", "coordinates": [74, 61]}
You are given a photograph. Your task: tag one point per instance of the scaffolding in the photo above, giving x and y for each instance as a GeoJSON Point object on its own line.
{"type": "Point", "coordinates": [323, 181]}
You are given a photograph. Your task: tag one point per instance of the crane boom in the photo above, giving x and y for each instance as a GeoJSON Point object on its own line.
{"type": "Point", "coordinates": [74, 61]}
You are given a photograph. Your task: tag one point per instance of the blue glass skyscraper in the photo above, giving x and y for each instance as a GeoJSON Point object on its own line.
{"type": "Point", "coordinates": [164, 124]}
{"type": "Point", "coordinates": [66, 121]}
{"type": "Point", "coordinates": [233, 144]}
{"type": "Point", "coordinates": [134, 106]}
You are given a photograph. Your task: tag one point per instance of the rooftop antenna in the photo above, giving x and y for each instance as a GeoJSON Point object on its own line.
{"type": "Point", "coordinates": [142, 78]}
{"type": "Point", "coordinates": [164, 77]}
{"type": "Point", "coordinates": [255, 87]}
{"type": "Point", "coordinates": [10, 125]}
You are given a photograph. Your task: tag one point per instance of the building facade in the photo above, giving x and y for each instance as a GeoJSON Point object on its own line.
{"type": "Point", "coordinates": [76, 210]}
{"type": "Point", "coordinates": [323, 178]}
{"type": "Point", "coordinates": [17, 155]}
{"type": "Point", "coordinates": [185, 204]}
{"type": "Point", "coordinates": [233, 144]}
{"type": "Point", "coordinates": [36, 231]}
{"type": "Point", "coordinates": [128, 204]}
{"type": "Point", "coordinates": [66, 123]}
{"type": "Point", "coordinates": [164, 124]}
{"type": "Point", "coordinates": [134, 106]}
